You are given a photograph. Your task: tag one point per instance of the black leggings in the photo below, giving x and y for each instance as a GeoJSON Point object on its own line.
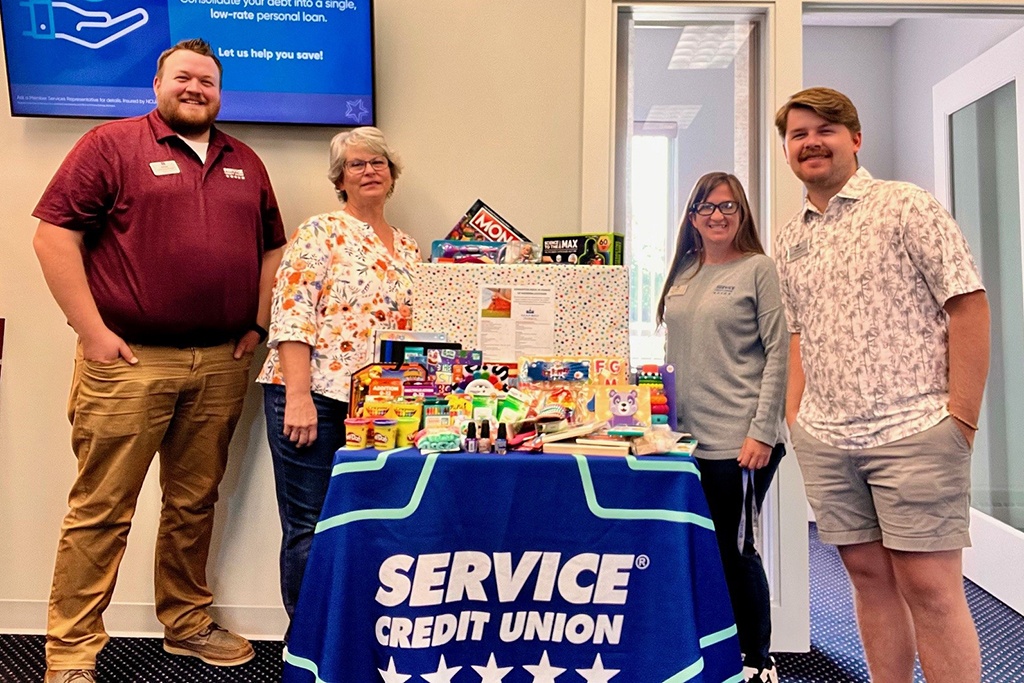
{"type": "Point", "coordinates": [722, 481]}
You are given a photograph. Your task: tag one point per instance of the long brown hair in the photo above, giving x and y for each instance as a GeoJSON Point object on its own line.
{"type": "Point", "coordinates": [690, 246]}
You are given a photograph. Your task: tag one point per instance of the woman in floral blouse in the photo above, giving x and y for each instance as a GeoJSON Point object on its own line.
{"type": "Point", "coordinates": [344, 275]}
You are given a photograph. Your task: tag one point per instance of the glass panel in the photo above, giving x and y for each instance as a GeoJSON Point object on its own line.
{"type": "Point", "coordinates": [689, 88]}
{"type": "Point", "coordinates": [986, 203]}
{"type": "Point", "coordinates": [650, 222]}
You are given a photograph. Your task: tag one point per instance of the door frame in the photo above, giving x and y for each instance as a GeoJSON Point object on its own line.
{"type": "Point", "coordinates": [995, 559]}
{"type": "Point", "coordinates": [785, 518]}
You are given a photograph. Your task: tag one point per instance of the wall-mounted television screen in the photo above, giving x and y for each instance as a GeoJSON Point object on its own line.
{"type": "Point", "coordinates": [285, 61]}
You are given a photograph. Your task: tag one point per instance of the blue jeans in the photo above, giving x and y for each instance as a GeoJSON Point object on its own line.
{"type": "Point", "coordinates": [722, 481]}
{"type": "Point", "coordinates": [301, 476]}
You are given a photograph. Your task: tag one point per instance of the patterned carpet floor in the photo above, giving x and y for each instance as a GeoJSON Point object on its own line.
{"type": "Point", "coordinates": [835, 656]}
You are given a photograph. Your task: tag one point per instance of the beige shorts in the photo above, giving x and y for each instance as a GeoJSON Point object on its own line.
{"type": "Point", "coordinates": [913, 494]}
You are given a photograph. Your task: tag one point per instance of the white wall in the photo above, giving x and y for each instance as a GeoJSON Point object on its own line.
{"type": "Point", "coordinates": [857, 62]}
{"type": "Point", "coordinates": [480, 100]}
{"type": "Point", "coordinates": [924, 52]}
{"type": "Point", "coordinates": [889, 73]}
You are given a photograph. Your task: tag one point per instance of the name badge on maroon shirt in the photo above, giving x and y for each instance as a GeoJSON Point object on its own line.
{"type": "Point", "coordinates": [164, 167]}
{"type": "Point", "coordinates": [234, 173]}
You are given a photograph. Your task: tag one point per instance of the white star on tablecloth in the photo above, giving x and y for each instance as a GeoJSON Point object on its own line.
{"type": "Point", "coordinates": [391, 676]}
{"type": "Point", "coordinates": [492, 673]}
{"type": "Point", "coordinates": [597, 673]}
{"type": "Point", "coordinates": [542, 671]}
{"type": "Point", "coordinates": [443, 674]}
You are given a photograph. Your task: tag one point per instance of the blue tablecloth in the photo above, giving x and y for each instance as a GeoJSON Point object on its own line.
{"type": "Point", "coordinates": [459, 568]}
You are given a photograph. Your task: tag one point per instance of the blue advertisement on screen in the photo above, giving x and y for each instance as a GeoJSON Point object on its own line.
{"type": "Point", "coordinates": [285, 61]}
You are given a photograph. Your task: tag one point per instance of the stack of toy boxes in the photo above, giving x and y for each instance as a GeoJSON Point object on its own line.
{"type": "Point", "coordinates": [652, 376]}
{"type": "Point", "coordinates": [603, 249]}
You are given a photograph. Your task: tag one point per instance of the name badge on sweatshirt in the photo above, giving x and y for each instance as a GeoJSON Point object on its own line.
{"type": "Point", "coordinates": [798, 250]}
{"type": "Point", "coordinates": [164, 167]}
{"type": "Point", "coordinates": [677, 290]}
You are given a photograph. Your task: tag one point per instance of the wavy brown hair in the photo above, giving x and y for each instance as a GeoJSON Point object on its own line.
{"type": "Point", "coordinates": [829, 104]}
{"type": "Point", "coordinates": [690, 246]}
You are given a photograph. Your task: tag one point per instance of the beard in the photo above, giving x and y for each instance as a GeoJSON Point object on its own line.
{"type": "Point", "coordinates": [185, 120]}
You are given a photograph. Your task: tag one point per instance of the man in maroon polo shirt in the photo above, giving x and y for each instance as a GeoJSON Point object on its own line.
{"type": "Point", "coordinates": [159, 237]}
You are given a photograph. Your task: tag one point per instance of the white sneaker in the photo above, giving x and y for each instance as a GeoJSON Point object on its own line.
{"type": "Point", "coordinates": [766, 674]}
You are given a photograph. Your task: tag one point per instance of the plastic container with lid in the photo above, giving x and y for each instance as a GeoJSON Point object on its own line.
{"type": "Point", "coordinates": [385, 433]}
{"type": "Point", "coordinates": [357, 432]}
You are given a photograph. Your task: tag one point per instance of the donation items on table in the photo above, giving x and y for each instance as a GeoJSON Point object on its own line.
{"type": "Point", "coordinates": [427, 390]}
{"type": "Point", "coordinates": [444, 399]}
{"type": "Point", "coordinates": [438, 566]}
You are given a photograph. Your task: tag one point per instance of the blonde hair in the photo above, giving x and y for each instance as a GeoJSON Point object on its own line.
{"type": "Point", "coordinates": [365, 136]}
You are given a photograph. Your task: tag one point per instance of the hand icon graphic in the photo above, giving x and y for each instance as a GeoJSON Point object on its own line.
{"type": "Point", "coordinates": [92, 29]}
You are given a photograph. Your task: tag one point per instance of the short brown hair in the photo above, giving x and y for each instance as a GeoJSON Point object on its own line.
{"type": "Point", "coordinates": [829, 104]}
{"type": "Point", "coordinates": [197, 45]}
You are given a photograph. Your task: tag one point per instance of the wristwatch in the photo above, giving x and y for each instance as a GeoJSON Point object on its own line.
{"type": "Point", "coordinates": [260, 330]}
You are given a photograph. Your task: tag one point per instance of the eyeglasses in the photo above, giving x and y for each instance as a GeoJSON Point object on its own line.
{"type": "Point", "coordinates": [358, 166]}
{"type": "Point", "coordinates": [707, 208]}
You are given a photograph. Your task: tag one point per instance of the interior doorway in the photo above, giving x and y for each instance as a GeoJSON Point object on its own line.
{"type": "Point", "coordinates": [979, 143]}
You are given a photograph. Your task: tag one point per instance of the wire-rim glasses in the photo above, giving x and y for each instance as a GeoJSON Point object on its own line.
{"type": "Point", "coordinates": [358, 166]}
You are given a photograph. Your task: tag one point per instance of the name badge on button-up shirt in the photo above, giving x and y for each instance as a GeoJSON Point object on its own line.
{"type": "Point", "coordinates": [798, 250]}
{"type": "Point", "coordinates": [164, 167]}
{"type": "Point", "coordinates": [234, 173]}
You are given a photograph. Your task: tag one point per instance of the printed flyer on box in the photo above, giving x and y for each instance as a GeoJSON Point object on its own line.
{"type": "Point", "coordinates": [516, 321]}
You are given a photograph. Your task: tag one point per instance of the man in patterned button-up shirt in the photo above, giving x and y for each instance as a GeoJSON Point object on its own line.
{"type": "Point", "coordinates": [888, 360]}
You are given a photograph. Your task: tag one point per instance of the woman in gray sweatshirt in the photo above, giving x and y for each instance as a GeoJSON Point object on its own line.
{"type": "Point", "coordinates": [726, 335]}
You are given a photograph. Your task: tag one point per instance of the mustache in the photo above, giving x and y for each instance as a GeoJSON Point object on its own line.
{"type": "Point", "coordinates": [816, 151]}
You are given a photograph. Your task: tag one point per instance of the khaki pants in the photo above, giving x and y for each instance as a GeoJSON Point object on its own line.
{"type": "Point", "coordinates": [185, 404]}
